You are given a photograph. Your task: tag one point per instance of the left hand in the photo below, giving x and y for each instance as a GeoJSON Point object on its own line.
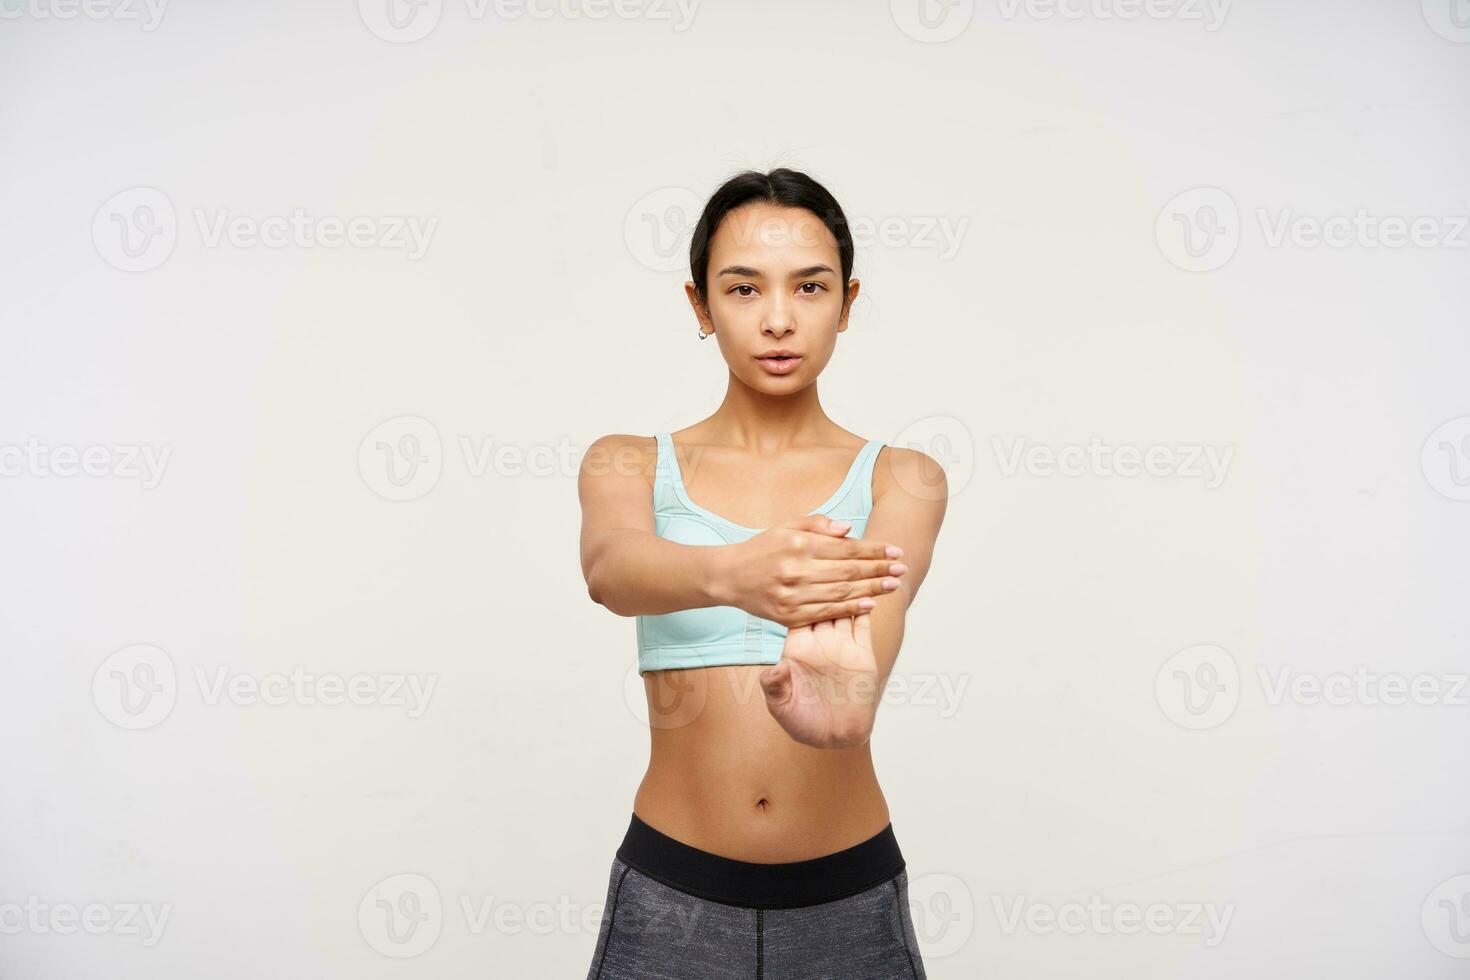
{"type": "Point", "coordinates": [824, 690]}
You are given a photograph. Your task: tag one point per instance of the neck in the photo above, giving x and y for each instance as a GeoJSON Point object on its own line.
{"type": "Point", "coordinates": [769, 423]}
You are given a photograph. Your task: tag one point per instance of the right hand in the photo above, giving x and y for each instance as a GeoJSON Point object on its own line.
{"type": "Point", "coordinates": [806, 571]}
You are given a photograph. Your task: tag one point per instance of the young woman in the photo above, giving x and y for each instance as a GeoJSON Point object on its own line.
{"type": "Point", "coordinates": [770, 610]}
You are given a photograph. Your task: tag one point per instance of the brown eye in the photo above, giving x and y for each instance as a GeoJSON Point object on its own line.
{"type": "Point", "coordinates": [743, 285]}
{"type": "Point", "coordinates": [812, 292]}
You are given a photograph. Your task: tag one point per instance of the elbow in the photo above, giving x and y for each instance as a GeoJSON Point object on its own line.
{"type": "Point", "coordinates": [598, 592]}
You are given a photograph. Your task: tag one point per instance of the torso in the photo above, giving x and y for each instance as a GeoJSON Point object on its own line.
{"type": "Point", "coordinates": [723, 776]}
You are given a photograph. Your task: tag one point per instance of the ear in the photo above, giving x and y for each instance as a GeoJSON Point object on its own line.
{"type": "Point", "coordinates": [853, 287]}
{"type": "Point", "coordinates": [701, 309]}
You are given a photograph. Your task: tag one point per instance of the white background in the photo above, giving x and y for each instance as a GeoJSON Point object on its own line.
{"type": "Point", "coordinates": [1043, 750]}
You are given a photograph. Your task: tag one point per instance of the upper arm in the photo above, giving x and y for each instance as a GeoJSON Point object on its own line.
{"type": "Point", "coordinates": [615, 487]}
{"type": "Point", "coordinates": [909, 498]}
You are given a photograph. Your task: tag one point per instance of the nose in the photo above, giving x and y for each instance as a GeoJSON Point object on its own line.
{"type": "Point", "coordinates": [779, 319]}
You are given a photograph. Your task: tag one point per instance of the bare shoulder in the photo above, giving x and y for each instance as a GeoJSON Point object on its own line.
{"type": "Point", "coordinates": [619, 454]}
{"type": "Point", "coordinates": [911, 479]}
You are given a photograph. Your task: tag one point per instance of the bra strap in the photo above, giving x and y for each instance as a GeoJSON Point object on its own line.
{"type": "Point", "coordinates": [865, 473]}
{"type": "Point", "coordinates": [663, 473]}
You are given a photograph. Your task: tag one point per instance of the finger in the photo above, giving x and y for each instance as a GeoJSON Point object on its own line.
{"type": "Point", "coordinates": [840, 570]}
{"type": "Point", "coordinates": [822, 524]}
{"type": "Point", "coordinates": [817, 612]}
{"type": "Point", "coordinates": [824, 626]}
{"type": "Point", "coordinates": [836, 547]}
{"type": "Point", "coordinates": [776, 683]}
{"type": "Point", "coordinates": [862, 630]}
{"type": "Point", "coordinates": [812, 592]}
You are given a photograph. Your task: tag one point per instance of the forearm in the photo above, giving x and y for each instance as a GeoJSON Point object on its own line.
{"type": "Point", "coordinates": [637, 573]}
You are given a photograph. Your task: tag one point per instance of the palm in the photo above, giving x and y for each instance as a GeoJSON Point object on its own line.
{"type": "Point", "coordinates": [824, 689]}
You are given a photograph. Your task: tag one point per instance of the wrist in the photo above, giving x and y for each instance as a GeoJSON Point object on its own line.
{"type": "Point", "coordinates": [716, 581]}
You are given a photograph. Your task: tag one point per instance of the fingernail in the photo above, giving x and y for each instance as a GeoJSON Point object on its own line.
{"type": "Point", "coordinates": [866, 603]}
{"type": "Point", "coordinates": [889, 584]}
{"type": "Point", "coordinates": [897, 568]}
{"type": "Point", "coordinates": [841, 527]}
{"type": "Point", "coordinates": [894, 551]}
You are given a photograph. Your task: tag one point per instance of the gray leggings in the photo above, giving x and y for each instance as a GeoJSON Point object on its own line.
{"type": "Point", "coordinates": [656, 929]}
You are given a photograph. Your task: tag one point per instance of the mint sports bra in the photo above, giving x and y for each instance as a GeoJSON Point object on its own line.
{"type": "Point", "coordinates": [717, 636]}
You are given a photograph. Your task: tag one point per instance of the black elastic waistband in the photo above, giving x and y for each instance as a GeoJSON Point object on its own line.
{"type": "Point", "coordinates": [761, 886]}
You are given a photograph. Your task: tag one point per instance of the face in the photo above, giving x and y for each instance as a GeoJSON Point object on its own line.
{"type": "Point", "coordinates": [776, 298]}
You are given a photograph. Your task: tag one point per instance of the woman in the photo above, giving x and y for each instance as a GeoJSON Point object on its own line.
{"type": "Point", "coordinates": [770, 611]}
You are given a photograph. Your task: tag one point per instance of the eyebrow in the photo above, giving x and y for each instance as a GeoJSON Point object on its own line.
{"type": "Point", "coordinates": [745, 270]}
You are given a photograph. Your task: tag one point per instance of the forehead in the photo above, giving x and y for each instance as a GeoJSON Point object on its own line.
{"type": "Point", "coordinates": [774, 234]}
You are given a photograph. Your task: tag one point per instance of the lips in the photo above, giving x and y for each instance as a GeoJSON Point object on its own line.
{"type": "Point", "coordinates": [779, 361]}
